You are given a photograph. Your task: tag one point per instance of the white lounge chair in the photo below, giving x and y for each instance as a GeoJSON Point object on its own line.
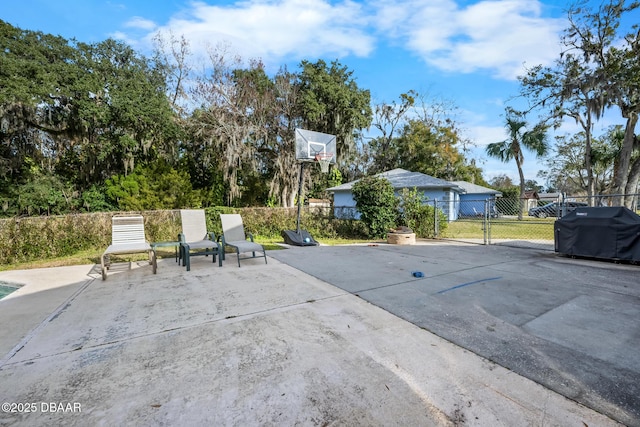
{"type": "Point", "coordinates": [195, 239]}
{"type": "Point", "coordinates": [233, 236]}
{"type": "Point", "coordinates": [127, 237]}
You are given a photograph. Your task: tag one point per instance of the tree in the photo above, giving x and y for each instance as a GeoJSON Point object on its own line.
{"type": "Point", "coordinates": [331, 102]}
{"type": "Point", "coordinates": [599, 69]}
{"type": "Point", "coordinates": [82, 111]}
{"type": "Point", "coordinates": [420, 136]}
{"type": "Point", "coordinates": [519, 139]}
{"type": "Point", "coordinates": [280, 146]}
{"type": "Point", "coordinates": [626, 95]}
{"type": "Point", "coordinates": [387, 119]}
{"type": "Point", "coordinates": [246, 123]}
{"type": "Point", "coordinates": [433, 151]}
{"type": "Point", "coordinates": [172, 57]}
{"type": "Point", "coordinates": [501, 181]}
{"type": "Point", "coordinates": [157, 186]}
{"type": "Point", "coordinates": [566, 171]}
{"type": "Point", "coordinates": [532, 185]}
{"type": "Point", "coordinates": [221, 128]}
{"type": "Point", "coordinates": [376, 203]}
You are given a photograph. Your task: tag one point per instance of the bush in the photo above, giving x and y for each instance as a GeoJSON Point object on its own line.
{"type": "Point", "coordinates": [48, 237]}
{"type": "Point", "coordinates": [156, 186]}
{"type": "Point", "coordinates": [377, 204]}
{"type": "Point", "coordinates": [415, 213]}
{"type": "Point", "coordinates": [41, 238]}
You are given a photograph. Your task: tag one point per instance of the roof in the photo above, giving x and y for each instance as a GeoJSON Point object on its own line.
{"type": "Point", "coordinates": [470, 188]}
{"type": "Point", "coordinates": [550, 196]}
{"type": "Point", "coordinates": [400, 178]}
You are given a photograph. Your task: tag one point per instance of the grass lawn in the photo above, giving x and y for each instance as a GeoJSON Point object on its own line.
{"type": "Point", "coordinates": [93, 257]}
{"type": "Point", "coordinates": [503, 228]}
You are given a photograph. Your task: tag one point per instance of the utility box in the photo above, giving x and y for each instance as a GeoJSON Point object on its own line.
{"type": "Point", "coordinates": [611, 233]}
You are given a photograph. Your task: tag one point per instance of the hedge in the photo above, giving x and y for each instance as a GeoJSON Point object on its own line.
{"type": "Point", "coordinates": [47, 237]}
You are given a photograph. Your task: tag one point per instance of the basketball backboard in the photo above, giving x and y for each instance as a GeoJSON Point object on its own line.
{"type": "Point", "coordinates": [310, 144]}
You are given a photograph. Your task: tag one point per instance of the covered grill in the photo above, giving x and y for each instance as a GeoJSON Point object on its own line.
{"type": "Point", "coordinates": [611, 233]}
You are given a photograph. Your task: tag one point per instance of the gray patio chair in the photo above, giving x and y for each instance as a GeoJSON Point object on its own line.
{"type": "Point", "coordinates": [233, 236]}
{"type": "Point", "coordinates": [127, 237]}
{"type": "Point", "coordinates": [195, 239]}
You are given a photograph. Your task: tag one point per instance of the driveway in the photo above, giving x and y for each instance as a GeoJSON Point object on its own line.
{"type": "Point", "coordinates": [571, 325]}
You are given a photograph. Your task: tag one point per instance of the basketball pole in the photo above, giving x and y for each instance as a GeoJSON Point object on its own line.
{"type": "Point", "coordinates": [300, 182]}
{"type": "Point", "coordinates": [299, 237]}
{"type": "Point", "coordinates": [309, 146]}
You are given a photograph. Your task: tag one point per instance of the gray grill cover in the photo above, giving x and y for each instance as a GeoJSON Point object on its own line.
{"type": "Point", "coordinates": [603, 232]}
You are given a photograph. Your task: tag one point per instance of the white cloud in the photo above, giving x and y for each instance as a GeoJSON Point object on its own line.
{"type": "Point", "coordinates": [485, 135]}
{"type": "Point", "coordinates": [420, 23]}
{"type": "Point", "coordinates": [273, 30]}
{"type": "Point", "coordinates": [140, 23]}
{"type": "Point", "coordinates": [498, 36]}
{"type": "Point", "coordinates": [124, 37]}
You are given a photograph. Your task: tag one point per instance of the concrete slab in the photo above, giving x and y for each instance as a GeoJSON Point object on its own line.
{"type": "Point", "coordinates": [571, 325]}
{"type": "Point", "coordinates": [586, 317]}
{"type": "Point", "coordinates": [256, 345]}
{"type": "Point", "coordinates": [48, 289]}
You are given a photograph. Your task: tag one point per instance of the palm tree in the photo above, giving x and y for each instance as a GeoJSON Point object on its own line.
{"type": "Point", "coordinates": [512, 148]}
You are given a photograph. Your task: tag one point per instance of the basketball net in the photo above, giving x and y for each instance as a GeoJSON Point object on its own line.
{"type": "Point", "coordinates": [324, 159]}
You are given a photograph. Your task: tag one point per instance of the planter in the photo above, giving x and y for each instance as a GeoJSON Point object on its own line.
{"type": "Point", "coordinates": [401, 236]}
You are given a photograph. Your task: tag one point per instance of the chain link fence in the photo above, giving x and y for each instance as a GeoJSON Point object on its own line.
{"type": "Point", "coordinates": [526, 223]}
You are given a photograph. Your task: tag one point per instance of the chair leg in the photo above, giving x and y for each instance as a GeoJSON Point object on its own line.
{"type": "Point", "coordinates": [186, 254]}
{"type": "Point", "coordinates": [154, 261]}
{"type": "Point", "coordinates": [103, 267]}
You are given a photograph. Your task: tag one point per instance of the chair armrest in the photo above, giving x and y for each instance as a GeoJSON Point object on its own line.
{"type": "Point", "coordinates": [212, 236]}
{"type": "Point", "coordinates": [250, 236]}
{"type": "Point", "coordinates": [181, 238]}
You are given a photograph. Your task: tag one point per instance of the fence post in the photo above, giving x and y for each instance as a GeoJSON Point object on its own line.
{"type": "Point", "coordinates": [485, 222]}
{"type": "Point", "coordinates": [435, 218]}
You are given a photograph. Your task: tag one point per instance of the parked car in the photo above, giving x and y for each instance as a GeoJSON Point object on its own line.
{"type": "Point", "coordinates": [554, 209]}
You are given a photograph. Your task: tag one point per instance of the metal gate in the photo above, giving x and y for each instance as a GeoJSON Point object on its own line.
{"type": "Point", "coordinates": [496, 222]}
{"type": "Point", "coordinates": [527, 223]}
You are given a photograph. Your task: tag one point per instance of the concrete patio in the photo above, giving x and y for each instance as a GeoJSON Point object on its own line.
{"type": "Point", "coordinates": [256, 345]}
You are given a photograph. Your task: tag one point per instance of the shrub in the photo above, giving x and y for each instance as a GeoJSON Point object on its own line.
{"type": "Point", "coordinates": [47, 237]}
{"type": "Point", "coordinates": [377, 204]}
{"type": "Point", "coordinates": [156, 186]}
{"type": "Point", "coordinates": [418, 215]}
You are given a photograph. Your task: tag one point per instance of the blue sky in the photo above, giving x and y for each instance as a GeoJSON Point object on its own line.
{"type": "Point", "coordinates": [464, 52]}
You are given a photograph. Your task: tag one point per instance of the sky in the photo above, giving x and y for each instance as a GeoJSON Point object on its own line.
{"type": "Point", "coordinates": [465, 53]}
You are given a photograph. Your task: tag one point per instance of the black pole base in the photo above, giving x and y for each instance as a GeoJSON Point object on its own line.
{"type": "Point", "coordinates": [303, 238]}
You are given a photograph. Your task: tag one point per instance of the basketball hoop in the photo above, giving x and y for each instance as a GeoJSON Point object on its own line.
{"type": "Point", "coordinates": [324, 159]}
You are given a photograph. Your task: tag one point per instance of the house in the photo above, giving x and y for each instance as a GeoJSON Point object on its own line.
{"type": "Point", "coordinates": [445, 192]}
{"type": "Point", "coordinates": [475, 198]}
{"type": "Point", "coordinates": [551, 197]}
{"type": "Point", "coordinates": [531, 199]}
{"type": "Point", "coordinates": [319, 205]}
